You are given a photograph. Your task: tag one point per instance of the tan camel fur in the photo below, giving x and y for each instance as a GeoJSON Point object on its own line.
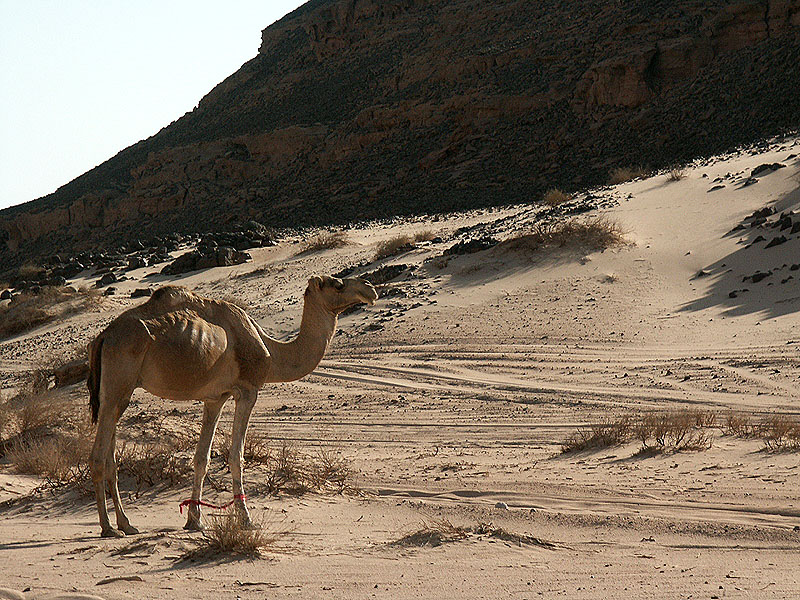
{"type": "Point", "coordinates": [180, 346]}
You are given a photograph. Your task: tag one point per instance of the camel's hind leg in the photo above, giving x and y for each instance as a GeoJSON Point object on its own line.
{"type": "Point", "coordinates": [211, 413]}
{"type": "Point", "coordinates": [123, 524]}
{"type": "Point", "coordinates": [101, 459]}
{"type": "Point", "coordinates": [241, 417]}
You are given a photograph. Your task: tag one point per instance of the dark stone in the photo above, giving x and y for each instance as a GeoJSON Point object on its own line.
{"type": "Point", "coordinates": [141, 292]}
{"type": "Point", "coordinates": [715, 188]}
{"type": "Point", "coordinates": [733, 294]}
{"type": "Point", "coordinates": [110, 291]}
{"type": "Point", "coordinates": [384, 274]}
{"type": "Point", "coordinates": [776, 241]}
{"type": "Point", "coordinates": [785, 223]}
{"type": "Point", "coordinates": [471, 246]}
{"type": "Point", "coordinates": [106, 279]}
{"type": "Point", "coordinates": [71, 372]}
{"type": "Point", "coordinates": [758, 221]}
{"type": "Point", "coordinates": [760, 238]}
{"type": "Point", "coordinates": [758, 276]}
{"type": "Point", "coordinates": [766, 168]}
{"type": "Point", "coordinates": [6, 295]}
{"type": "Point", "coordinates": [794, 267]}
{"type": "Point", "coordinates": [136, 262]}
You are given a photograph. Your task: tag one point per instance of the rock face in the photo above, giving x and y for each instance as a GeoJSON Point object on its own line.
{"type": "Point", "coordinates": [367, 108]}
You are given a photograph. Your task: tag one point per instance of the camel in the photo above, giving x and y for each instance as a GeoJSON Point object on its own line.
{"type": "Point", "coordinates": [181, 346]}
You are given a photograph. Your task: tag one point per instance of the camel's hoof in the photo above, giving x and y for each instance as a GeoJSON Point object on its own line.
{"type": "Point", "coordinates": [194, 526]}
{"type": "Point", "coordinates": [111, 532]}
{"type": "Point", "coordinates": [129, 529]}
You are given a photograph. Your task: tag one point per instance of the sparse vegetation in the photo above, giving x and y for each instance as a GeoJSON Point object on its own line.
{"type": "Point", "coordinates": [657, 432]}
{"type": "Point", "coordinates": [555, 197]}
{"type": "Point", "coordinates": [226, 534]}
{"type": "Point", "coordinates": [594, 233]}
{"type": "Point", "coordinates": [435, 532]}
{"type": "Point", "coordinates": [780, 433]}
{"type": "Point", "coordinates": [325, 241]}
{"type": "Point", "coordinates": [28, 310]}
{"type": "Point", "coordinates": [393, 246]}
{"type": "Point", "coordinates": [676, 174]}
{"type": "Point", "coordinates": [623, 174]}
{"type": "Point", "coordinates": [597, 436]}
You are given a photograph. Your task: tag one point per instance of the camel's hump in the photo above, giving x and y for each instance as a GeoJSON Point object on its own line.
{"type": "Point", "coordinates": [172, 296]}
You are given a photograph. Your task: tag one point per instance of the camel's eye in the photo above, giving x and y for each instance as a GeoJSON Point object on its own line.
{"type": "Point", "coordinates": [338, 284]}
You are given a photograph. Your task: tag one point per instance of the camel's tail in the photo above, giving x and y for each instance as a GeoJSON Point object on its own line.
{"type": "Point", "coordinates": [93, 381]}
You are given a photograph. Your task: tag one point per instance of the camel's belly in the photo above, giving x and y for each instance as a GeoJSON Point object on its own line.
{"type": "Point", "coordinates": [188, 361]}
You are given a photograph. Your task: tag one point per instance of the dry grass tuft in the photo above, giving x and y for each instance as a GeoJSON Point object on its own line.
{"type": "Point", "coordinates": [394, 246]}
{"type": "Point", "coordinates": [28, 310]}
{"type": "Point", "coordinates": [58, 459]}
{"type": "Point", "coordinates": [623, 174]}
{"type": "Point", "coordinates": [595, 233]}
{"type": "Point", "coordinates": [287, 470]}
{"type": "Point", "coordinates": [601, 435]}
{"type": "Point", "coordinates": [676, 174]}
{"type": "Point", "coordinates": [153, 463]}
{"type": "Point", "coordinates": [555, 197]}
{"type": "Point", "coordinates": [426, 235]}
{"type": "Point", "coordinates": [325, 241]}
{"type": "Point", "coordinates": [780, 433]}
{"type": "Point", "coordinates": [658, 432]}
{"type": "Point", "coordinates": [433, 533]}
{"type": "Point", "coordinates": [436, 532]}
{"type": "Point", "coordinates": [226, 534]}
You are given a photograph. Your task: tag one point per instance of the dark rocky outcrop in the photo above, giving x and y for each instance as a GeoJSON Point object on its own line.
{"type": "Point", "coordinates": [357, 109]}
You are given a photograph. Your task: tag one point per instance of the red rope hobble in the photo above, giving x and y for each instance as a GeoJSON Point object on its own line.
{"type": "Point", "coordinates": [190, 502]}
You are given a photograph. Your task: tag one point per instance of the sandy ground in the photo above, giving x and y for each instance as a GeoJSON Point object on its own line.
{"type": "Point", "coordinates": [451, 397]}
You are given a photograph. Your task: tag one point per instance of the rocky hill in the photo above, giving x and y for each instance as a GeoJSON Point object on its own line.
{"type": "Point", "coordinates": [356, 109]}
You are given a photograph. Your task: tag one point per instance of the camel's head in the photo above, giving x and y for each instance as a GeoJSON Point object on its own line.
{"type": "Point", "coordinates": [338, 295]}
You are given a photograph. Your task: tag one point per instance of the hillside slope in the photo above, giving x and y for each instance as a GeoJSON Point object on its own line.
{"type": "Point", "coordinates": [358, 109]}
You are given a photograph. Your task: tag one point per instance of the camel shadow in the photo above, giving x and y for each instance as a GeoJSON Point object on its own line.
{"type": "Point", "coordinates": [756, 279]}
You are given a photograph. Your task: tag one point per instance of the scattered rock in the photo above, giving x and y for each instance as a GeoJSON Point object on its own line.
{"type": "Point", "coordinates": [6, 295]}
{"type": "Point", "coordinates": [715, 188]}
{"type": "Point", "coordinates": [141, 292]}
{"type": "Point", "coordinates": [471, 246]}
{"type": "Point", "coordinates": [106, 279]}
{"type": "Point", "coordinates": [776, 241]}
{"type": "Point", "coordinates": [71, 372]}
{"type": "Point", "coordinates": [501, 505]}
{"type": "Point", "coordinates": [766, 168]}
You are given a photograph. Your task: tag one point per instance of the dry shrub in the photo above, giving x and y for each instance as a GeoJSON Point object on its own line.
{"type": "Point", "coordinates": [601, 435]}
{"type": "Point", "coordinates": [257, 449]}
{"type": "Point", "coordinates": [153, 463]}
{"type": "Point", "coordinates": [434, 532]}
{"type": "Point", "coordinates": [227, 534]}
{"type": "Point", "coordinates": [58, 459]}
{"type": "Point", "coordinates": [676, 174]}
{"type": "Point", "coordinates": [290, 471]}
{"type": "Point", "coordinates": [28, 310]}
{"type": "Point", "coordinates": [675, 431]}
{"type": "Point", "coordinates": [393, 246]}
{"type": "Point", "coordinates": [518, 539]}
{"type": "Point", "coordinates": [425, 235]}
{"type": "Point", "coordinates": [781, 433]}
{"type": "Point", "coordinates": [623, 174]}
{"type": "Point", "coordinates": [326, 241]}
{"type": "Point", "coordinates": [740, 425]}
{"type": "Point", "coordinates": [663, 432]}
{"type": "Point", "coordinates": [595, 233]}
{"type": "Point", "coordinates": [554, 197]}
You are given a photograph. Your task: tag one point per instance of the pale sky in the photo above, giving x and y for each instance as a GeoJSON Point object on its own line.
{"type": "Point", "coordinates": [81, 80]}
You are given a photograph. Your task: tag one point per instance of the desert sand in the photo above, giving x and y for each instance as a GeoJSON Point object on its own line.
{"type": "Point", "coordinates": [450, 399]}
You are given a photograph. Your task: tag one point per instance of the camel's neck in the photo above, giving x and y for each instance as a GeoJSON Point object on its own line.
{"type": "Point", "coordinates": [290, 361]}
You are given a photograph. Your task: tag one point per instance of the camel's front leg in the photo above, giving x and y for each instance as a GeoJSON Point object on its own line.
{"type": "Point", "coordinates": [211, 413]}
{"type": "Point", "coordinates": [241, 417]}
